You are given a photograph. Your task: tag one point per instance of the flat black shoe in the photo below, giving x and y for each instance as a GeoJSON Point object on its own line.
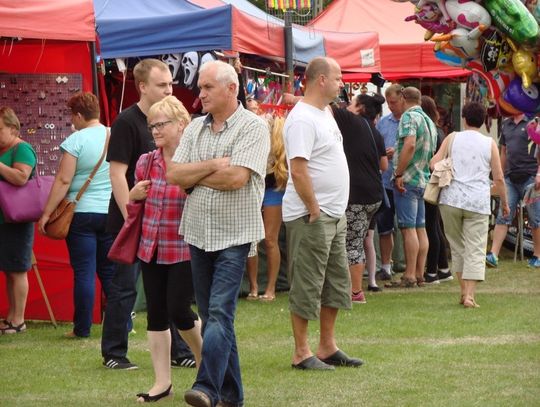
{"type": "Point", "coordinates": [150, 399]}
{"type": "Point", "coordinates": [374, 288]}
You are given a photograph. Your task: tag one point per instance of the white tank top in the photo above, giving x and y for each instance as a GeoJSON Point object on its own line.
{"type": "Point", "coordinates": [470, 188]}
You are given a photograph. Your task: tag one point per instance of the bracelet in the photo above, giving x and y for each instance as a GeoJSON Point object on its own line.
{"type": "Point", "coordinates": [399, 176]}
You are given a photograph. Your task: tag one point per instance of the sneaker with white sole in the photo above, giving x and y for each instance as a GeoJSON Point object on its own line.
{"type": "Point", "coordinates": [383, 275]}
{"type": "Point", "coordinates": [119, 364]}
{"type": "Point", "coordinates": [431, 278]}
{"type": "Point", "coordinates": [445, 276]}
{"type": "Point", "coordinates": [359, 298]}
{"type": "Point", "coordinates": [534, 262]}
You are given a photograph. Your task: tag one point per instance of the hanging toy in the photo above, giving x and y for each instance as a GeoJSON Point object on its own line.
{"type": "Point", "coordinates": [506, 109]}
{"type": "Point", "coordinates": [467, 14]}
{"type": "Point", "coordinates": [513, 19]}
{"type": "Point", "coordinates": [449, 59]}
{"type": "Point", "coordinates": [526, 100]}
{"type": "Point", "coordinates": [524, 63]}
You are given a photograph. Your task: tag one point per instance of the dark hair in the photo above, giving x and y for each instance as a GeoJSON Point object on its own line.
{"type": "Point", "coordinates": [86, 104]}
{"type": "Point", "coordinates": [372, 105]}
{"type": "Point", "coordinates": [474, 114]}
{"type": "Point", "coordinates": [430, 108]}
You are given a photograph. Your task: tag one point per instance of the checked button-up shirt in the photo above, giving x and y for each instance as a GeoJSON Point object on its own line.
{"type": "Point", "coordinates": [213, 219]}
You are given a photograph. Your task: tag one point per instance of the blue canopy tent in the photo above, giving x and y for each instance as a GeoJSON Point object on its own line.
{"type": "Point", "coordinates": [132, 28]}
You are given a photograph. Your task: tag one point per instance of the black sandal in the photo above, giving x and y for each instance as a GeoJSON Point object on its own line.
{"type": "Point", "coordinates": [13, 329]}
{"type": "Point", "coordinates": [150, 399]}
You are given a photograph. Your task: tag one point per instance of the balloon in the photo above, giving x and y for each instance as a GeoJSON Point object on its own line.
{"type": "Point", "coordinates": [513, 18]}
{"type": "Point", "coordinates": [524, 63]}
{"type": "Point", "coordinates": [461, 42]}
{"type": "Point", "coordinates": [448, 59]}
{"type": "Point", "coordinates": [430, 17]}
{"type": "Point", "coordinates": [524, 99]}
{"type": "Point", "coordinates": [506, 109]}
{"type": "Point", "coordinates": [495, 52]}
{"type": "Point", "coordinates": [467, 15]}
{"type": "Point", "coordinates": [497, 81]}
{"type": "Point", "coordinates": [533, 130]}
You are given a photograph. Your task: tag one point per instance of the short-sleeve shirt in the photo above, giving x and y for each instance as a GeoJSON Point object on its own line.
{"type": "Point", "coordinates": [388, 127]}
{"type": "Point", "coordinates": [130, 139]}
{"type": "Point", "coordinates": [520, 151]}
{"type": "Point", "coordinates": [214, 219]}
{"type": "Point", "coordinates": [363, 146]}
{"type": "Point", "coordinates": [162, 213]}
{"type": "Point", "coordinates": [415, 123]}
{"type": "Point", "coordinates": [87, 146]}
{"type": "Point", "coordinates": [20, 153]}
{"type": "Point", "coordinates": [313, 134]}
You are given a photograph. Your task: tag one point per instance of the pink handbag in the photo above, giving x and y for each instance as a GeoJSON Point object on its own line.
{"type": "Point", "coordinates": [25, 203]}
{"type": "Point", "coordinates": [125, 246]}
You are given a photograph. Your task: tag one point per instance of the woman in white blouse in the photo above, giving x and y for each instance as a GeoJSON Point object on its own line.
{"type": "Point", "coordinates": [465, 203]}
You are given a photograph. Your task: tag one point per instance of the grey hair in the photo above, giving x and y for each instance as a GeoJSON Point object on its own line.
{"type": "Point", "coordinates": [225, 73]}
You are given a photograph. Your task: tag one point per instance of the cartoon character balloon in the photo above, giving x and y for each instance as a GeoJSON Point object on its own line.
{"type": "Point", "coordinates": [467, 14]}
{"type": "Point", "coordinates": [461, 42]}
{"type": "Point", "coordinates": [526, 100]}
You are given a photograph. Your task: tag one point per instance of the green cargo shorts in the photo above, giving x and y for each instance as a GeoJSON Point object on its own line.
{"type": "Point", "coordinates": [318, 270]}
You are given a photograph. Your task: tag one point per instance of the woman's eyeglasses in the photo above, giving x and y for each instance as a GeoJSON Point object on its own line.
{"type": "Point", "coordinates": [158, 126]}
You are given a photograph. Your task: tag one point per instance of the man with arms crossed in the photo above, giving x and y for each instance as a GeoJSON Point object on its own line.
{"type": "Point", "coordinates": [314, 213]}
{"type": "Point", "coordinates": [222, 158]}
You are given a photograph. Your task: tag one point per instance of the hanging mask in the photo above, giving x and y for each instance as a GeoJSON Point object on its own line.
{"type": "Point", "coordinates": [190, 67]}
{"type": "Point", "coordinates": [173, 62]}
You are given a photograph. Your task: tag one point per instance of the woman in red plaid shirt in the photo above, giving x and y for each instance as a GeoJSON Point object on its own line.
{"type": "Point", "coordinates": [164, 255]}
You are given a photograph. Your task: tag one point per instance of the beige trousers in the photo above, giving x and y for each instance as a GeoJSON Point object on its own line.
{"type": "Point", "coordinates": [467, 233]}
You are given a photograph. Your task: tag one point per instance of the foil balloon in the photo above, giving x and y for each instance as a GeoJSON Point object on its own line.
{"type": "Point", "coordinates": [533, 130]}
{"type": "Point", "coordinates": [461, 42]}
{"type": "Point", "coordinates": [430, 17]}
{"type": "Point", "coordinates": [496, 80]}
{"type": "Point", "coordinates": [506, 109]}
{"type": "Point", "coordinates": [513, 19]}
{"type": "Point", "coordinates": [449, 59]}
{"type": "Point", "coordinates": [496, 52]}
{"type": "Point", "coordinates": [467, 14]}
{"type": "Point", "coordinates": [526, 100]}
{"type": "Point", "coordinates": [524, 63]}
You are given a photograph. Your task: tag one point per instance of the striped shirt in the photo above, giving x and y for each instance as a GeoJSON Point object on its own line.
{"type": "Point", "coordinates": [415, 123]}
{"type": "Point", "coordinates": [214, 219]}
{"type": "Point", "coordinates": [162, 213]}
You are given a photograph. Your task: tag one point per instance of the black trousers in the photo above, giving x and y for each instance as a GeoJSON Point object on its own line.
{"type": "Point", "coordinates": [436, 257]}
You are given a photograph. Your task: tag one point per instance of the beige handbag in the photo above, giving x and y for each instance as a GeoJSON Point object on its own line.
{"type": "Point", "coordinates": [442, 175]}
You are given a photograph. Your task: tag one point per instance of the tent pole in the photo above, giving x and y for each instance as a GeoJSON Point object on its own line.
{"type": "Point", "coordinates": [287, 30]}
{"type": "Point", "coordinates": [95, 85]}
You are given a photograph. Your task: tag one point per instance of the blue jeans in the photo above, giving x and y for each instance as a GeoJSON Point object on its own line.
{"type": "Point", "coordinates": [410, 209]}
{"type": "Point", "coordinates": [217, 277]}
{"type": "Point", "coordinates": [516, 192]}
{"type": "Point", "coordinates": [88, 245]}
{"type": "Point", "coordinates": [120, 303]}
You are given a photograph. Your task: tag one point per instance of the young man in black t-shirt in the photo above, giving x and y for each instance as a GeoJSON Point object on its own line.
{"type": "Point", "coordinates": [130, 139]}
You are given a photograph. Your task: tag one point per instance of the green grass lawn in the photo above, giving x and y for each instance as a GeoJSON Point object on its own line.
{"type": "Point", "coordinates": [419, 346]}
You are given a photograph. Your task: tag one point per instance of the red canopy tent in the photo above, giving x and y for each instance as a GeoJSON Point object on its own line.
{"type": "Point", "coordinates": [404, 54]}
{"type": "Point", "coordinates": [48, 37]}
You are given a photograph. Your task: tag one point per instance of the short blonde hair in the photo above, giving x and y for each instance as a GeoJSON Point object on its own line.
{"type": "Point", "coordinates": [171, 107]}
{"type": "Point", "coordinates": [141, 71]}
{"type": "Point", "coordinates": [9, 118]}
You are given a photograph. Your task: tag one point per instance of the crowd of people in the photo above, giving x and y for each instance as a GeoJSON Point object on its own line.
{"type": "Point", "coordinates": [216, 185]}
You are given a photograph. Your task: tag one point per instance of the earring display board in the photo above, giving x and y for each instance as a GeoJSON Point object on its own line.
{"type": "Point", "coordinates": [39, 100]}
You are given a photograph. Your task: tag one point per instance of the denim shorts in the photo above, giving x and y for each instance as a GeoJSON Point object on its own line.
{"type": "Point", "coordinates": [272, 197]}
{"type": "Point", "coordinates": [516, 192]}
{"type": "Point", "coordinates": [410, 209]}
{"type": "Point", "coordinates": [16, 241]}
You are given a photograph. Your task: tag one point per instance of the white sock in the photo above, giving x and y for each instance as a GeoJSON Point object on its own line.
{"type": "Point", "coordinates": [445, 271]}
{"type": "Point", "coordinates": [386, 267]}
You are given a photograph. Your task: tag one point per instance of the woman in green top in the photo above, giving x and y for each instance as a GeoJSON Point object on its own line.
{"type": "Point", "coordinates": [17, 162]}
